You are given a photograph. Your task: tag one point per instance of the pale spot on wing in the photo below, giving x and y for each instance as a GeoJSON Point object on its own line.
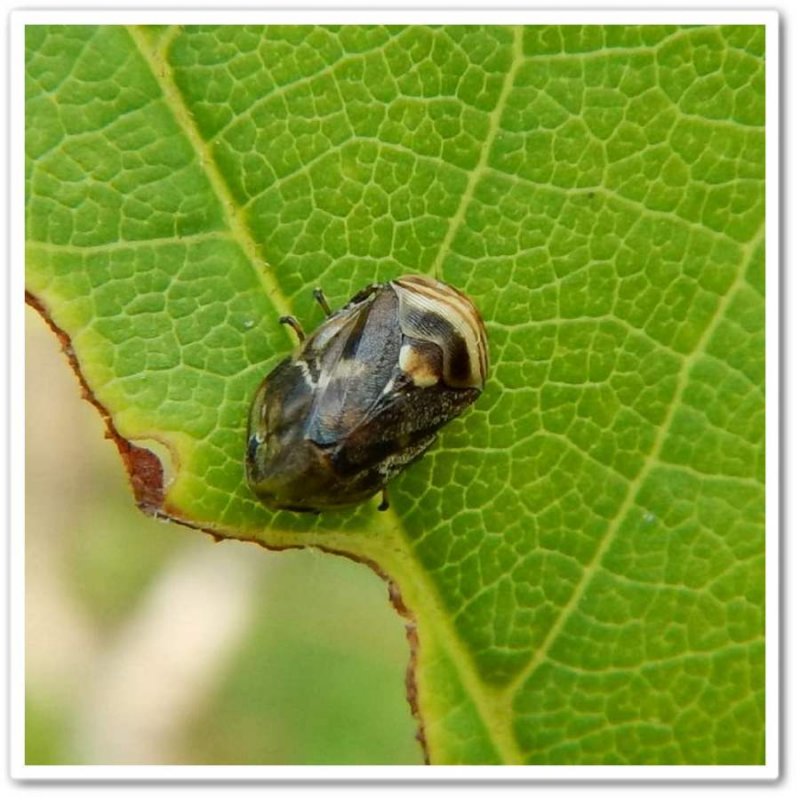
{"type": "Point", "coordinates": [415, 364]}
{"type": "Point", "coordinates": [306, 372]}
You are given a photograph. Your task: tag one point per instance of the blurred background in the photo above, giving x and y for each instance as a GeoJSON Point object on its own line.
{"type": "Point", "coordinates": [147, 643]}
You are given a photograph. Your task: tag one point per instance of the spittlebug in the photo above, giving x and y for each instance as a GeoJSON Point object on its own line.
{"type": "Point", "coordinates": [364, 395]}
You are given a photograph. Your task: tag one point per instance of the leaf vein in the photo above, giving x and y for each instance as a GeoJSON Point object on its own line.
{"type": "Point", "coordinates": [635, 485]}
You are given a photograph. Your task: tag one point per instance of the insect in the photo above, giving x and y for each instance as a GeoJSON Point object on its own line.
{"type": "Point", "coordinates": [364, 395]}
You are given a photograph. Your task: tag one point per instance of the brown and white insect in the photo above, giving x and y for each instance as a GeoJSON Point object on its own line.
{"type": "Point", "coordinates": [364, 395]}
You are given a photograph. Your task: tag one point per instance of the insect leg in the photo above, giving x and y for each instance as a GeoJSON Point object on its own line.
{"type": "Point", "coordinates": [319, 296]}
{"type": "Point", "coordinates": [294, 325]}
{"type": "Point", "coordinates": [384, 506]}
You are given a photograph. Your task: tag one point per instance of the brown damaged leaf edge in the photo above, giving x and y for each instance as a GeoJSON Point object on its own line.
{"type": "Point", "coordinates": [144, 468]}
{"type": "Point", "coordinates": [146, 476]}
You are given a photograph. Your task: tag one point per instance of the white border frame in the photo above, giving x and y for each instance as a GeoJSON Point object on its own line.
{"type": "Point", "coordinates": [361, 13]}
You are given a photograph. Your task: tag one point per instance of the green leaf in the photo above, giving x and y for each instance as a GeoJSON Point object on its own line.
{"type": "Point", "coordinates": [582, 555]}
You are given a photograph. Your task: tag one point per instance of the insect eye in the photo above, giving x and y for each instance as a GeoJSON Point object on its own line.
{"type": "Point", "coordinates": [252, 446]}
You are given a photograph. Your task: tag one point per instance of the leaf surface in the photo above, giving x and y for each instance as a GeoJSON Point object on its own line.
{"type": "Point", "coordinates": [582, 554]}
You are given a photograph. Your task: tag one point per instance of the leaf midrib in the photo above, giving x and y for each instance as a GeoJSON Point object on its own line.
{"type": "Point", "coordinates": [161, 72]}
